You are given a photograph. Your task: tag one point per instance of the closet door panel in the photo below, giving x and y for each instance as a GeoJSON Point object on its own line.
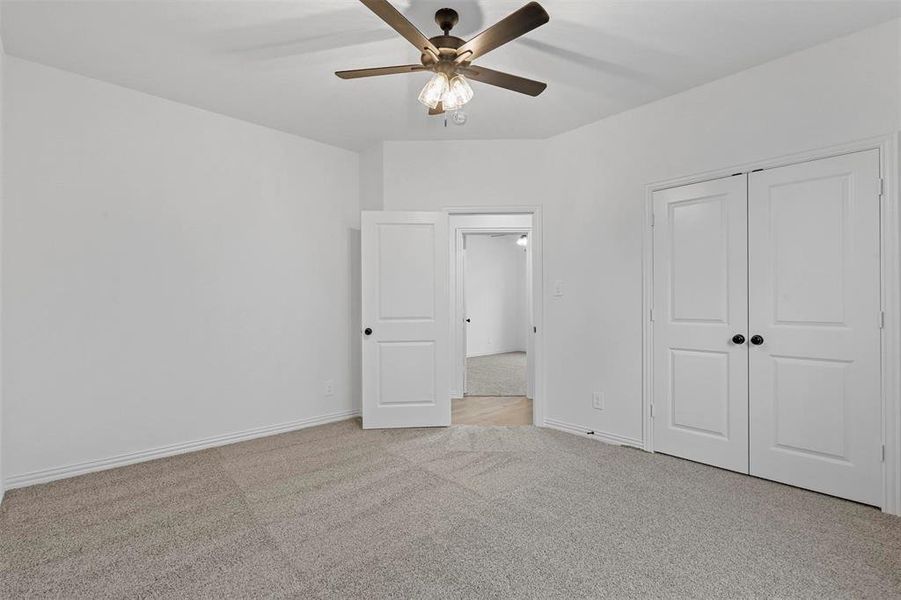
{"type": "Point", "coordinates": [700, 303]}
{"type": "Point", "coordinates": [815, 404]}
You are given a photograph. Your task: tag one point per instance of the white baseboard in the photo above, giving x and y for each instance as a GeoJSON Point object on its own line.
{"type": "Point", "coordinates": [64, 472]}
{"type": "Point", "coordinates": [601, 436]}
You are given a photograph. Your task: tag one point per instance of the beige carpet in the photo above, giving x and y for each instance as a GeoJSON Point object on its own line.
{"type": "Point", "coordinates": [463, 512]}
{"type": "Point", "coordinates": [496, 375]}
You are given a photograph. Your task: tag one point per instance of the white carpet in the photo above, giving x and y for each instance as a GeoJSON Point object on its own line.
{"type": "Point", "coordinates": [496, 375]}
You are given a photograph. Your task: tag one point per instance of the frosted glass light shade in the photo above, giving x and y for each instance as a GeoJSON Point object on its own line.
{"type": "Point", "coordinates": [459, 92]}
{"type": "Point", "coordinates": [434, 90]}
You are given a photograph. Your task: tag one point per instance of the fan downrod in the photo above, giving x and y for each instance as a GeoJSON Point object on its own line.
{"type": "Point", "coordinates": [446, 18]}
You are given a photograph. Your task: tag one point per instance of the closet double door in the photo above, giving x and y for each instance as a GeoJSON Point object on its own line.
{"type": "Point", "coordinates": [767, 324]}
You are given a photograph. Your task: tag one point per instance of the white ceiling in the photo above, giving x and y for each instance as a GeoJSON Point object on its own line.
{"type": "Point", "coordinates": [272, 62]}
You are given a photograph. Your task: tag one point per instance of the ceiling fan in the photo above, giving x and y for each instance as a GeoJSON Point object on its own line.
{"type": "Point", "coordinates": [450, 58]}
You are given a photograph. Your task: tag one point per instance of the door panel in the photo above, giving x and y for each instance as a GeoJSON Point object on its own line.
{"type": "Point", "coordinates": [700, 380]}
{"type": "Point", "coordinates": [406, 272]}
{"type": "Point", "coordinates": [700, 302]}
{"type": "Point", "coordinates": [699, 276]}
{"type": "Point", "coordinates": [815, 404]}
{"type": "Point", "coordinates": [405, 304]}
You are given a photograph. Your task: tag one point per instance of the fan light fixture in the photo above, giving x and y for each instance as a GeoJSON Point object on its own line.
{"type": "Point", "coordinates": [451, 94]}
{"type": "Point", "coordinates": [458, 94]}
{"type": "Point", "coordinates": [434, 90]}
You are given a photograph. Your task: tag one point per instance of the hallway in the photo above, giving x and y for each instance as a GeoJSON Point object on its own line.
{"type": "Point", "coordinates": [496, 375]}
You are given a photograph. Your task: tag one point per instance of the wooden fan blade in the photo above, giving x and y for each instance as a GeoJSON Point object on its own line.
{"type": "Point", "coordinates": [438, 110]}
{"type": "Point", "coordinates": [400, 24]}
{"type": "Point", "coordinates": [357, 73]}
{"type": "Point", "coordinates": [503, 80]}
{"type": "Point", "coordinates": [509, 28]}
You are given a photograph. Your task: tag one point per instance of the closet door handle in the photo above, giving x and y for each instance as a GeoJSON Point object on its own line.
{"type": "Point", "coordinates": [756, 339]}
{"type": "Point", "coordinates": [738, 339]}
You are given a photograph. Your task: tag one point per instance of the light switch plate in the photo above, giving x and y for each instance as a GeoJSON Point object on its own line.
{"type": "Point", "coordinates": [558, 288]}
{"type": "Point", "coordinates": [597, 400]}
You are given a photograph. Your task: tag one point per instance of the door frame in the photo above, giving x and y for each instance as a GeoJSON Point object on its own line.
{"type": "Point", "coordinates": [890, 228]}
{"type": "Point", "coordinates": [535, 248]}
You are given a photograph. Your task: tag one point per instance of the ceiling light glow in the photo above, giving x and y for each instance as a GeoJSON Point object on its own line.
{"type": "Point", "coordinates": [434, 90]}
{"type": "Point", "coordinates": [459, 92]}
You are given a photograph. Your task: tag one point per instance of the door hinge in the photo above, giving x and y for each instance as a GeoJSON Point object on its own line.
{"type": "Point", "coordinates": [653, 219]}
{"type": "Point", "coordinates": [534, 330]}
{"type": "Point", "coordinates": [883, 452]}
{"type": "Point", "coordinates": [881, 187]}
{"type": "Point", "coordinates": [652, 315]}
{"type": "Point", "coordinates": [652, 410]}
{"type": "Point", "coordinates": [882, 320]}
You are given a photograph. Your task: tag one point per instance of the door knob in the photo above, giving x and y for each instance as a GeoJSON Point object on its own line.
{"type": "Point", "coordinates": [469, 320]}
{"type": "Point", "coordinates": [738, 339]}
{"type": "Point", "coordinates": [756, 339]}
{"type": "Point", "coordinates": [367, 331]}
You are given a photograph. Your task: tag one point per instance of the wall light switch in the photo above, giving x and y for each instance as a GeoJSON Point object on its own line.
{"type": "Point", "coordinates": [558, 288]}
{"type": "Point", "coordinates": [597, 400]}
{"type": "Point", "coordinates": [328, 388]}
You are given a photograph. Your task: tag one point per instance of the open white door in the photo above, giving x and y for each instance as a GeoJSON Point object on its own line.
{"type": "Point", "coordinates": [405, 319]}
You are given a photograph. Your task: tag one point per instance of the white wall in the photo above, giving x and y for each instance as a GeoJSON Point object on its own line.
{"type": "Point", "coordinates": [591, 184]}
{"type": "Point", "coordinates": [493, 173]}
{"type": "Point", "coordinates": [372, 174]}
{"type": "Point", "coordinates": [496, 295]}
{"type": "Point", "coordinates": [2, 185]}
{"type": "Point", "coordinates": [169, 274]}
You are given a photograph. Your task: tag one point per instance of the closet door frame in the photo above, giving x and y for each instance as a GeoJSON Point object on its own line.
{"type": "Point", "coordinates": [890, 229]}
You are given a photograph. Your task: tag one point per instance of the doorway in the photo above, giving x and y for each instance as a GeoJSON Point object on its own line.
{"type": "Point", "coordinates": [413, 330]}
{"type": "Point", "coordinates": [494, 319]}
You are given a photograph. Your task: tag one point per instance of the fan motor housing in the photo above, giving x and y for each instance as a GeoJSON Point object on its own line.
{"type": "Point", "coordinates": [451, 42]}
{"type": "Point", "coordinates": [447, 51]}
